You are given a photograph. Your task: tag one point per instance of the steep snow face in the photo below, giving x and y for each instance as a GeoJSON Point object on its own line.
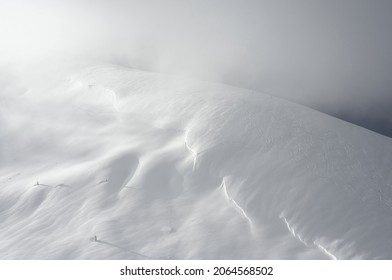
{"type": "Point", "coordinates": [157, 167]}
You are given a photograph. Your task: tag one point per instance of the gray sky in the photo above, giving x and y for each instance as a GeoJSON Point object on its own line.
{"type": "Point", "coordinates": [332, 55]}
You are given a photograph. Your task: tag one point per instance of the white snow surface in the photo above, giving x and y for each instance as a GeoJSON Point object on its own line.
{"type": "Point", "coordinates": [158, 167]}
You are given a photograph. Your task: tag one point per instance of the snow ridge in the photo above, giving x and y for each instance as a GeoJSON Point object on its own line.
{"type": "Point", "coordinates": [292, 231]}
{"type": "Point", "coordinates": [323, 249]}
{"type": "Point", "coordinates": [193, 152]}
{"type": "Point", "coordinates": [316, 243]}
{"type": "Point", "coordinates": [239, 208]}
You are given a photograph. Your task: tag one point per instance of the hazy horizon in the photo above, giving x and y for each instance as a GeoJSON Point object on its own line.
{"type": "Point", "coordinates": [333, 56]}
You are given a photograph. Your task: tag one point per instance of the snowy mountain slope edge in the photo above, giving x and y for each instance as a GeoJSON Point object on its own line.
{"type": "Point", "coordinates": [161, 167]}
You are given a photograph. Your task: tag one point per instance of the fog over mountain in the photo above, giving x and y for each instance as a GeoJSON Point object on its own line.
{"type": "Point", "coordinates": [334, 56]}
{"type": "Point", "coordinates": [182, 129]}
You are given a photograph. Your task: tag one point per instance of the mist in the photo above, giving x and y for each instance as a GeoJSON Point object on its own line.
{"type": "Point", "coordinates": [333, 56]}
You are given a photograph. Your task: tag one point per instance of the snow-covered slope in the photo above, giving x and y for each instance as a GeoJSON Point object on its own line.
{"type": "Point", "coordinates": [160, 167]}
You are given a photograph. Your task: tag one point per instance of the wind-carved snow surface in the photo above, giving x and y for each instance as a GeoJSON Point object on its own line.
{"type": "Point", "coordinates": [89, 149]}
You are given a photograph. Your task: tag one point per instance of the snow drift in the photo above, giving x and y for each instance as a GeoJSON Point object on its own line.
{"type": "Point", "coordinates": [159, 167]}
